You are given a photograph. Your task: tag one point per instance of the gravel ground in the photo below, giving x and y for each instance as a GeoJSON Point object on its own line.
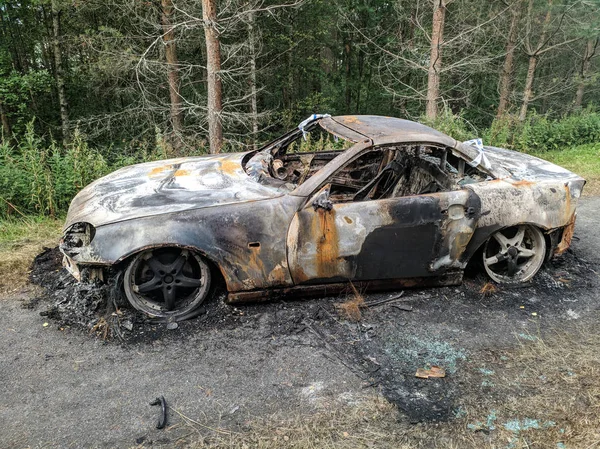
{"type": "Point", "coordinates": [64, 387]}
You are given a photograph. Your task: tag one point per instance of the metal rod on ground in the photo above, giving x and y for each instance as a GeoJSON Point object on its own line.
{"type": "Point", "coordinates": [386, 300]}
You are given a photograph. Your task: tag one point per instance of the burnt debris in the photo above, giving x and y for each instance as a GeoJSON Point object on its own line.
{"type": "Point", "coordinates": [162, 419]}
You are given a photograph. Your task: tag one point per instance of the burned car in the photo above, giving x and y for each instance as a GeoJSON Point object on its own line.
{"type": "Point", "coordinates": [385, 203]}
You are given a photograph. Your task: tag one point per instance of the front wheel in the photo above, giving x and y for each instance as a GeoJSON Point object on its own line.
{"type": "Point", "coordinates": [169, 283]}
{"type": "Point", "coordinates": [514, 255]}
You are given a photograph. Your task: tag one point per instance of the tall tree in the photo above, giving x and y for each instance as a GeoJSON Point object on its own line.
{"type": "Point", "coordinates": [508, 66]}
{"type": "Point", "coordinates": [172, 72]}
{"type": "Point", "coordinates": [544, 45]}
{"type": "Point", "coordinates": [213, 75]}
{"type": "Point", "coordinates": [253, 88]}
{"type": "Point", "coordinates": [591, 48]}
{"type": "Point", "coordinates": [435, 58]}
{"type": "Point", "coordinates": [59, 72]}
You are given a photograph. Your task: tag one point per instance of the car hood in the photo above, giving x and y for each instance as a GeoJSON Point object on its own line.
{"type": "Point", "coordinates": [167, 186]}
{"type": "Point", "coordinates": [521, 166]}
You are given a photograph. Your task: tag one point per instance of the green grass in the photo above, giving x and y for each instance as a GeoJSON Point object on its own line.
{"type": "Point", "coordinates": [21, 239]}
{"type": "Point", "coordinates": [13, 231]}
{"type": "Point", "coordinates": [583, 160]}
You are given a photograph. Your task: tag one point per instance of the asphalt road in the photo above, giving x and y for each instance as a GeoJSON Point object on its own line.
{"type": "Point", "coordinates": [63, 388]}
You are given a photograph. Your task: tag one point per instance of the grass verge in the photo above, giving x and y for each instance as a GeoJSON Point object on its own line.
{"type": "Point", "coordinates": [20, 241]}
{"type": "Point", "coordinates": [583, 160]}
{"type": "Point", "coordinates": [540, 394]}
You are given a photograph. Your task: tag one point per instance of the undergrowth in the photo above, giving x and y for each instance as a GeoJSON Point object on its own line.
{"type": "Point", "coordinates": [41, 179]}
{"type": "Point", "coordinates": [37, 177]}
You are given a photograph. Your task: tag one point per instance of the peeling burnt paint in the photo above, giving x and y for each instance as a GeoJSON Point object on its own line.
{"type": "Point", "coordinates": [271, 237]}
{"type": "Point", "coordinates": [411, 236]}
{"type": "Point", "coordinates": [567, 236]}
{"type": "Point", "coordinates": [157, 188]}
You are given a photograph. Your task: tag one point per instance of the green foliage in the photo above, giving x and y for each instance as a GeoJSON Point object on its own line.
{"type": "Point", "coordinates": [451, 124]}
{"type": "Point", "coordinates": [73, 168]}
{"type": "Point", "coordinates": [318, 141]}
{"type": "Point", "coordinates": [582, 159]}
{"type": "Point", "coordinates": [33, 162]}
{"type": "Point", "coordinates": [500, 133]}
{"type": "Point", "coordinates": [17, 230]}
{"type": "Point", "coordinates": [40, 179]}
{"type": "Point", "coordinates": [538, 133]}
{"type": "Point", "coordinates": [23, 95]}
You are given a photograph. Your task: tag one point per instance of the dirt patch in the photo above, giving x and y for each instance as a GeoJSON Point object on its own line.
{"type": "Point", "coordinates": [429, 327]}
{"type": "Point", "coordinates": [20, 241]}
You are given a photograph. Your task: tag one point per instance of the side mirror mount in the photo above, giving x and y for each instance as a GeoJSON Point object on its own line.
{"type": "Point", "coordinates": [322, 200]}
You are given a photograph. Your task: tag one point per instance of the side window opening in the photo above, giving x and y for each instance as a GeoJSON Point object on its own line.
{"type": "Point", "coordinates": [355, 176]}
{"type": "Point", "coordinates": [402, 170]}
{"type": "Point", "coordinates": [463, 171]}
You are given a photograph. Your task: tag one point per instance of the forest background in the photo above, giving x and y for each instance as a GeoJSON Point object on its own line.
{"type": "Point", "coordinates": [87, 86]}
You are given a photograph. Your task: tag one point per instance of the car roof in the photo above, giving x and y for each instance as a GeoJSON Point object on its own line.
{"type": "Point", "coordinates": [383, 130]}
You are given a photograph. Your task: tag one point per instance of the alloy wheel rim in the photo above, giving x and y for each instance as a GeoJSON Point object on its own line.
{"type": "Point", "coordinates": [514, 254]}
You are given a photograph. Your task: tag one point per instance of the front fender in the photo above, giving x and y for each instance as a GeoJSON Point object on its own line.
{"type": "Point", "coordinates": [246, 241]}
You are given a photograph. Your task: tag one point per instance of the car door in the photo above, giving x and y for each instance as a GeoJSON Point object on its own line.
{"type": "Point", "coordinates": [409, 236]}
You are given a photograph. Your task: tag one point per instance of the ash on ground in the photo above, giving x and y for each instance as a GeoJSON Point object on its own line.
{"type": "Point", "coordinates": [91, 306]}
{"type": "Point", "coordinates": [429, 327]}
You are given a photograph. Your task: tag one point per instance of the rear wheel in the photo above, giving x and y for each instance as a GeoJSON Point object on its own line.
{"type": "Point", "coordinates": [167, 282]}
{"type": "Point", "coordinates": [514, 255]}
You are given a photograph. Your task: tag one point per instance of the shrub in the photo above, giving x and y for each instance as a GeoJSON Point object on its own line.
{"type": "Point", "coordinates": [40, 179]}
{"type": "Point", "coordinates": [73, 168]}
{"type": "Point", "coordinates": [538, 133]}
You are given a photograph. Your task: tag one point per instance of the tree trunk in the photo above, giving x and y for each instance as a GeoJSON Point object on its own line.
{"type": "Point", "coordinates": [348, 67]}
{"type": "Point", "coordinates": [507, 69]}
{"type": "Point", "coordinates": [172, 72]}
{"type": "Point", "coordinates": [528, 92]}
{"type": "Point", "coordinates": [213, 67]}
{"type": "Point", "coordinates": [435, 59]}
{"type": "Point", "coordinates": [590, 51]}
{"type": "Point", "coordinates": [253, 91]}
{"type": "Point", "coordinates": [361, 66]}
{"type": "Point", "coordinates": [47, 51]}
{"type": "Point", "coordinates": [17, 58]}
{"type": "Point", "coordinates": [6, 131]}
{"type": "Point", "coordinates": [59, 73]}
{"type": "Point", "coordinates": [533, 58]}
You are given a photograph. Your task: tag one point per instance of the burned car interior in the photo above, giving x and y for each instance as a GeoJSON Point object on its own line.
{"type": "Point", "coordinates": [383, 172]}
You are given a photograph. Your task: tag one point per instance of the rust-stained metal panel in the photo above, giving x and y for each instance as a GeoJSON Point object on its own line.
{"type": "Point", "coordinates": [567, 236]}
{"type": "Point", "coordinates": [411, 236]}
{"type": "Point", "coordinates": [386, 130]}
{"type": "Point", "coordinates": [344, 132]}
{"type": "Point", "coordinates": [309, 291]}
{"type": "Point", "coordinates": [222, 234]}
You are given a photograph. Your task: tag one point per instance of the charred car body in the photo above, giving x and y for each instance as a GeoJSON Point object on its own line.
{"type": "Point", "coordinates": [399, 205]}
